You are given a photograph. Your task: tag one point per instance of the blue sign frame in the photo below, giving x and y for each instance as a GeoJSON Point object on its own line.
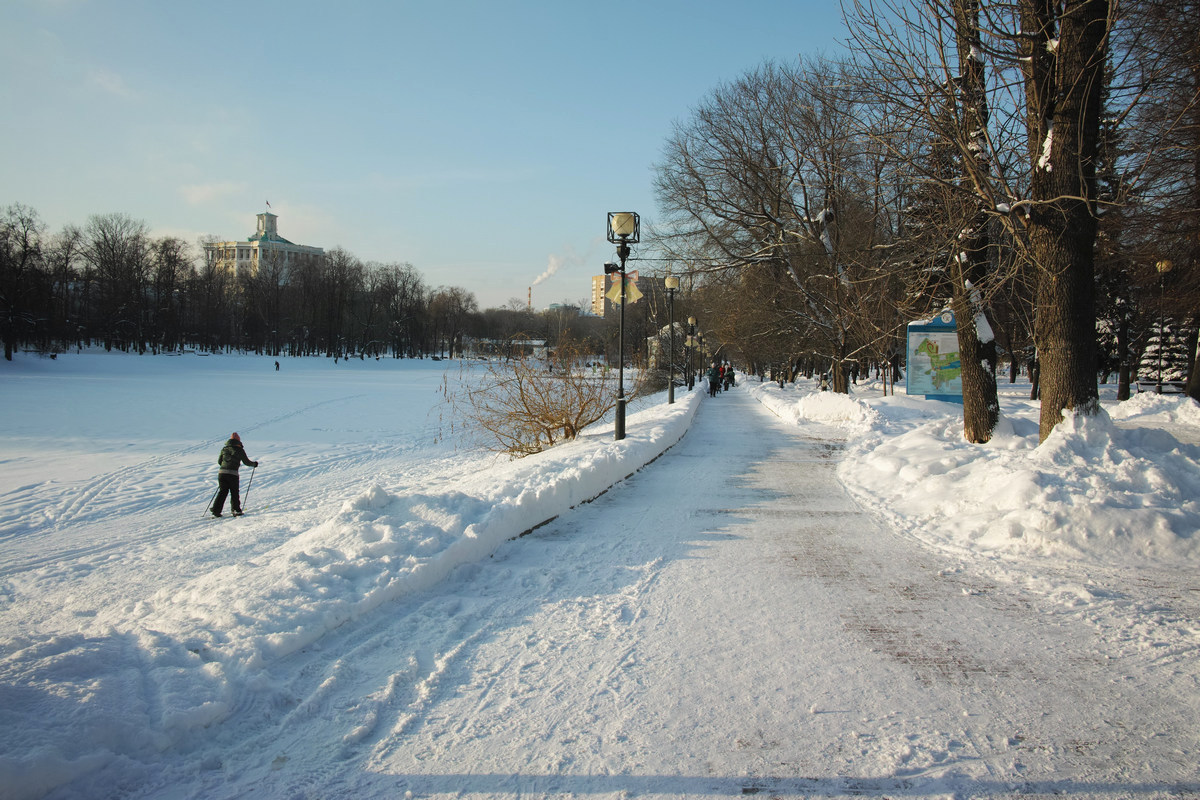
{"type": "Point", "coordinates": [933, 365]}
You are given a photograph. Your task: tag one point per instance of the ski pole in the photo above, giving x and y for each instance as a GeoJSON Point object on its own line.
{"type": "Point", "coordinates": [210, 500]}
{"type": "Point", "coordinates": [249, 483]}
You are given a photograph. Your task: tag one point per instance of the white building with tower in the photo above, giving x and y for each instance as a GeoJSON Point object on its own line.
{"type": "Point", "coordinates": [265, 247]}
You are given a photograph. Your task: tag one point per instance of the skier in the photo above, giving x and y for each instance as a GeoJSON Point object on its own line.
{"type": "Point", "coordinates": [233, 455]}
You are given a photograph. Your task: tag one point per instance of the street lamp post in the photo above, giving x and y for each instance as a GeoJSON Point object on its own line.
{"type": "Point", "coordinates": [624, 229]}
{"type": "Point", "coordinates": [1164, 266]}
{"type": "Point", "coordinates": [672, 284]}
{"type": "Point", "coordinates": [691, 341]}
{"type": "Point", "coordinates": [618, 269]}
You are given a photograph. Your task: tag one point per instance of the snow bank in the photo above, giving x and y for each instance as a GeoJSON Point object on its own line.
{"type": "Point", "coordinates": [1092, 491]}
{"type": "Point", "coordinates": [831, 408]}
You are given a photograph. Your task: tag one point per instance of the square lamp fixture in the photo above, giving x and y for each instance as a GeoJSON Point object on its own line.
{"type": "Point", "coordinates": [624, 227]}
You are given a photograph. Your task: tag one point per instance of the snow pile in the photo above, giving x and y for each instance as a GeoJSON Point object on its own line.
{"type": "Point", "coordinates": [835, 409]}
{"type": "Point", "coordinates": [1092, 491]}
{"type": "Point", "coordinates": [1160, 409]}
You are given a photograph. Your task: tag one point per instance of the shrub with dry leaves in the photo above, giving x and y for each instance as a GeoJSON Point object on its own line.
{"type": "Point", "coordinates": [529, 403]}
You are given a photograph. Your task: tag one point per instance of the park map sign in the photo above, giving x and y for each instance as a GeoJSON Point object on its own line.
{"type": "Point", "coordinates": [934, 367]}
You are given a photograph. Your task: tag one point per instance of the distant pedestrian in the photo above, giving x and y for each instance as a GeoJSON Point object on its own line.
{"type": "Point", "coordinates": [277, 366]}
{"type": "Point", "coordinates": [714, 380]}
{"type": "Point", "coordinates": [233, 455]}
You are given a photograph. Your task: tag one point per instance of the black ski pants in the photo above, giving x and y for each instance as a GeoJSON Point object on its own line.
{"type": "Point", "coordinates": [229, 485]}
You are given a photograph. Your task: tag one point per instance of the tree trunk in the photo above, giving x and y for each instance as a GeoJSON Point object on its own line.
{"type": "Point", "coordinates": [1192, 387]}
{"type": "Point", "coordinates": [981, 406]}
{"type": "Point", "coordinates": [1066, 319]}
{"type": "Point", "coordinates": [977, 356]}
{"type": "Point", "coordinates": [1065, 73]}
{"type": "Point", "coordinates": [1123, 370]}
{"type": "Point", "coordinates": [841, 383]}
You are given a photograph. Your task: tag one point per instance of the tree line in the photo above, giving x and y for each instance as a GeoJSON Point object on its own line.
{"type": "Point", "coordinates": [110, 283]}
{"type": "Point", "coordinates": [1033, 165]}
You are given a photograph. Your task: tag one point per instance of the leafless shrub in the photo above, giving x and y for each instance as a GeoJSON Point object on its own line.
{"type": "Point", "coordinates": [533, 401]}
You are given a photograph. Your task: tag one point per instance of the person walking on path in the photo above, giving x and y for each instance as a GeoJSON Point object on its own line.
{"type": "Point", "coordinates": [714, 380]}
{"type": "Point", "coordinates": [233, 455]}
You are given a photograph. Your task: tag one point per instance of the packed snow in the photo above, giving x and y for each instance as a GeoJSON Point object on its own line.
{"type": "Point", "coordinates": [403, 613]}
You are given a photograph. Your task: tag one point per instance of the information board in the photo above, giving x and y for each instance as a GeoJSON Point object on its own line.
{"type": "Point", "coordinates": [934, 366]}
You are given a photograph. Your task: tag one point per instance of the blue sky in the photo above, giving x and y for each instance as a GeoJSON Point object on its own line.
{"type": "Point", "coordinates": [482, 142]}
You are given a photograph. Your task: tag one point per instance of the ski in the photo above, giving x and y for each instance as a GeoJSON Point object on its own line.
{"type": "Point", "coordinates": [262, 510]}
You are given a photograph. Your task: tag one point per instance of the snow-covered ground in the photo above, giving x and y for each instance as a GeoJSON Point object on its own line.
{"type": "Point", "coordinates": [378, 625]}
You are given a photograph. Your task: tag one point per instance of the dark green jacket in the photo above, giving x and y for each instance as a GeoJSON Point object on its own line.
{"type": "Point", "coordinates": [233, 455]}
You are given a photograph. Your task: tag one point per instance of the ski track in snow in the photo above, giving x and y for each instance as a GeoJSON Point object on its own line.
{"type": "Point", "coordinates": [136, 488]}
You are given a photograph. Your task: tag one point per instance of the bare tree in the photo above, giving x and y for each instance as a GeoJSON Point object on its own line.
{"type": "Point", "coordinates": [976, 342]}
{"type": "Point", "coordinates": [209, 299]}
{"type": "Point", "coordinates": [1163, 141]}
{"type": "Point", "coordinates": [1065, 45]}
{"type": "Point", "coordinates": [171, 267]}
{"type": "Point", "coordinates": [769, 175]}
{"type": "Point", "coordinates": [341, 277]}
{"type": "Point", "coordinates": [531, 402]}
{"type": "Point", "coordinates": [20, 254]}
{"type": "Point", "coordinates": [925, 65]}
{"type": "Point", "coordinates": [117, 247]}
{"type": "Point", "coordinates": [67, 295]}
{"type": "Point", "coordinates": [449, 309]}
{"type": "Point", "coordinates": [1046, 59]}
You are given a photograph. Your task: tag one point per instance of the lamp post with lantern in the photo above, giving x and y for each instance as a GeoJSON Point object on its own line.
{"type": "Point", "coordinates": [1163, 266]}
{"type": "Point", "coordinates": [672, 284]}
{"type": "Point", "coordinates": [693, 344]}
{"type": "Point", "coordinates": [624, 229]}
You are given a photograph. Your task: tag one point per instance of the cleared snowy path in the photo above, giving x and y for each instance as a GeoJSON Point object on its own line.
{"type": "Point", "coordinates": [725, 622]}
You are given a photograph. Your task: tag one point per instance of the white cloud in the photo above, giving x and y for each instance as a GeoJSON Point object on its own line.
{"type": "Point", "coordinates": [110, 82]}
{"type": "Point", "coordinates": [201, 194]}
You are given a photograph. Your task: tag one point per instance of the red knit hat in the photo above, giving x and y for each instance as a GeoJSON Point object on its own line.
{"type": "Point", "coordinates": [235, 436]}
